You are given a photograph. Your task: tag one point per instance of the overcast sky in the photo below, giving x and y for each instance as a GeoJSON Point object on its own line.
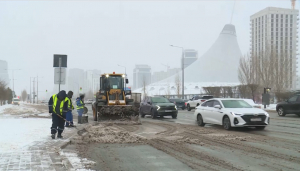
{"type": "Point", "coordinates": [102, 34]}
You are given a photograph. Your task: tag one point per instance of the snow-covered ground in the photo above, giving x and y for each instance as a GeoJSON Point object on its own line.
{"type": "Point", "coordinates": [269, 107]}
{"type": "Point", "coordinates": [17, 133]}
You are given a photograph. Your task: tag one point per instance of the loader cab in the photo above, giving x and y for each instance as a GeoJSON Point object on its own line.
{"type": "Point", "coordinates": [111, 81]}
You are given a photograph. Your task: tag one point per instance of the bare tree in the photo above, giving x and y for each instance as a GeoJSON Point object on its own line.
{"type": "Point", "coordinates": [178, 85]}
{"type": "Point", "coordinates": [215, 91]}
{"type": "Point", "coordinates": [248, 76]}
{"type": "Point", "coordinates": [2, 92]}
{"type": "Point", "coordinates": [145, 92]}
{"type": "Point", "coordinates": [24, 95]}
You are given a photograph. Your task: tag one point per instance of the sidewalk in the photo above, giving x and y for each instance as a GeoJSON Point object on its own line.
{"type": "Point", "coordinates": [40, 155]}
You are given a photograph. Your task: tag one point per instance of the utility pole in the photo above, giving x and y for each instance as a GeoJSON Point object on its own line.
{"type": "Point", "coordinates": [30, 97]}
{"type": "Point", "coordinates": [13, 77]}
{"type": "Point", "coordinates": [182, 67]}
{"type": "Point", "coordinates": [37, 89]}
{"type": "Point", "coordinates": [33, 90]}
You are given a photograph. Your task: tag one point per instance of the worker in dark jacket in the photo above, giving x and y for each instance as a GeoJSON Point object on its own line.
{"type": "Point", "coordinates": [58, 106]}
{"type": "Point", "coordinates": [69, 115]}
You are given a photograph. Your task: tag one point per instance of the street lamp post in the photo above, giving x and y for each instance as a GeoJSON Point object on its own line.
{"type": "Point", "coordinates": [13, 76]}
{"type": "Point", "coordinates": [125, 74]}
{"type": "Point", "coordinates": [30, 89]}
{"type": "Point", "coordinates": [182, 68]}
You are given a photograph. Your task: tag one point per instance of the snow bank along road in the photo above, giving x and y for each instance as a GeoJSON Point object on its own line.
{"type": "Point", "coordinates": [168, 144]}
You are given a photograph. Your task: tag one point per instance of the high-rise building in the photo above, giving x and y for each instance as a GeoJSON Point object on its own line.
{"type": "Point", "coordinates": [92, 80]}
{"type": "Point", "coordinates": [141, 76]}
{"type": "Point", "coordinates": [161, 75]}
{"type": "Point", "coordinates": [3, 72]}
{"type": "Point", "coordinates": [190, 56]}
{"type": "Point", "coordinates": [275, 30]}
{"type": "Point", "coordinates": [75, 80]}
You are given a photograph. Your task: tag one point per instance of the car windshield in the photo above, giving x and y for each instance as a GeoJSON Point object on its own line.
{"type": "Point", "coordinates": [160, 100]}
{"type": "Point", "coordinates": [235, 104]}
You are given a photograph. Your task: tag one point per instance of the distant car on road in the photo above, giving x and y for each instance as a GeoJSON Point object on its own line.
{"type": "Point", "coordinates": [290, 106]}
{"type": "Point", "coordinates": [158, 106]}
{"type": "Point", "coordinates": [180, 103]}
{"type": "Point", "coordinates": [16, 101]}
{"type": "Point", "coordinates": [230, 113]}
{"type": "Point", "coordinates": [196, 101]}
{"type": "Point", "coordinates": [88, 101]}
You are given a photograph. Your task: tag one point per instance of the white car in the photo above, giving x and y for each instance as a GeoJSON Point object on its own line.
{"type": "Point", "coordinates": [231, 113]}
{"type": "Point", "coordinates": [196, 101]}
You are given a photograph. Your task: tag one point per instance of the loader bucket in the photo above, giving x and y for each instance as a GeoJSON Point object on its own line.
{"type": "Point", "coordinates": [117, 112]}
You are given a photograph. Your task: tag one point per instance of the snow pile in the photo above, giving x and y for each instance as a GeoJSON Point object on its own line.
{"type": "Point", "coordinates": [269, 107]}
{"type": "Point", "coordinates": [18, 133]}
{"type": "Point", "coordinates": [4, 107]}
{"type": "Point", "coordinates": [107, 134]}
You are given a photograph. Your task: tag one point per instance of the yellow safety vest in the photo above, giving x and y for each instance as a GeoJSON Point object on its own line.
{"type": "Point", "coordinates": [70, 105]}
{"type": "Point", "coordinates": [54, 97]}
{"type": "Point", "coordinates": [80, 107]}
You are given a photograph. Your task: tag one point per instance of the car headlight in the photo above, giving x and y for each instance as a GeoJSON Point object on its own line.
{"type": "Point", "coordinates": [158, 107]}
{"type": "Point", "coordinates": [237, 114]}
{"type": "Point", "coordinates": [175, 107]}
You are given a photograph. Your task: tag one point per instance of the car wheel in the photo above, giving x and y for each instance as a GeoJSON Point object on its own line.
{"type": "Point", "coordinates": [188, 107]}
{"type": "Point", "coordinates": [200, 120]}
{"type": "Point", "coordinates": [182, 108]}
{"type": "Point", "coordinates": [226, 123]}
{"type": "Point", "coordinates": [174, 116]}
{"type": "Point", "coordinates": [153, 115]}
{"type": "Point", "coordinates": [197, 104]}
{"type": "Point", "coordinates": [280, 111]}
{"type": "Point", "coordinates": [298, 114]}
{"type": "Point", "coordinates": [260, 127]}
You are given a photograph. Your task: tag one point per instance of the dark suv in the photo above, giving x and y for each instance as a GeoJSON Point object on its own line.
{"type": "Point", "coordinates": [290, 106]}
{"type": "Point", "coordinates": [158, 106]}
{"type": "Point", "coordinates": [180, 103]}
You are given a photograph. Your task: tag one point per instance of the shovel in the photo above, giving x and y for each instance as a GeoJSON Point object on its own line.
{"type": "Point", "coordinates": [79, 132]}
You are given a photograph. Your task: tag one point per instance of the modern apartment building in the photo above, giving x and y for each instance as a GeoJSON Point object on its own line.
{"type": "Point", "coordinates": [141, 76]}
{"type": "Point", "coordinates": [275, 30]}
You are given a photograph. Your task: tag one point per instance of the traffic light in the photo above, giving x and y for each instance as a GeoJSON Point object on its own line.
{"type": "Point", "coordinates": [18, 97]}
{"type": "Point", "coordinates": [46, 91]}
{"type": "Point", "coordinates": [80, 88]}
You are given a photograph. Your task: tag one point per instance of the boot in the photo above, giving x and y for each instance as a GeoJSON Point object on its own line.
{"type": "Point", "coordinates": [59, 136]}
{"type": "Point", "coordinates": [53, 136]}
{"type": "Point", "coordinates": [79, 119]}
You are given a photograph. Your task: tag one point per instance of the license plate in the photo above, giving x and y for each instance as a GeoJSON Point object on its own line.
{"type": "Point", "coordinates": [168, 110]}
{"type": "Point", "coordinates": [255, 119]}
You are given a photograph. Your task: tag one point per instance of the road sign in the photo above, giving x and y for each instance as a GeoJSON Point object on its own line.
{"type": "Point", "coordinates": [63, 61]}
{"type": "Point", "coordinates": [57, 72]}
